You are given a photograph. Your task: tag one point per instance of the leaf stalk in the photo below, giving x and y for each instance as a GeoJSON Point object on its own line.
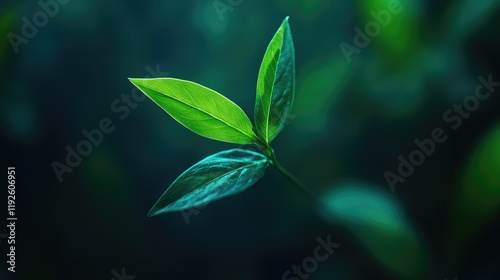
{"type": "Point", "coordinates": [269, 152]}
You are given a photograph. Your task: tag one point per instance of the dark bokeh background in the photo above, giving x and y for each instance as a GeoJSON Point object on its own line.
{"type": "Point", "coordinates": [350, 123]}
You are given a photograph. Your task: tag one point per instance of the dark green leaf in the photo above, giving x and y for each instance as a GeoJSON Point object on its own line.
{"type": "Point", "coordinates": [215, 177]}
{"type": "Point", "coordinates": [477, 200]}
{"type": "Point", "coordinates": [275, 84]}
{"type": "Point", "coordinates": [200, 109]}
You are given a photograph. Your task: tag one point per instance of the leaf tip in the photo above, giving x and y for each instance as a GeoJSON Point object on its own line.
{"type": "Point", "coordinates": [151, 214]}
{"type": "Point", "coordinates": [132, 80]}
{"type": "Point", "coordinates": [286, 21]}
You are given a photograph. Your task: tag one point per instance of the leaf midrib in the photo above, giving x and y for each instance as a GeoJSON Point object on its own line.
{"type": "Point", "coordinates": [252, 137]}
{"type": "Point", "coordinates": [272, 88]}
{"type": "Point", "coordinates": [220, 176]}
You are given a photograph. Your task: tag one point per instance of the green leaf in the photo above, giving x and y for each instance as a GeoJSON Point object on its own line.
{"type": "Point", "coordinates": [275, 84]}
{"type": "Point", "coordinates": [217, 176]}
{"type": "Point", "coordinates": [200, 109]}
{"type": "Point", "coordinates": [477, 201]}
{"type": "Point", "coordinates": [380, 224]}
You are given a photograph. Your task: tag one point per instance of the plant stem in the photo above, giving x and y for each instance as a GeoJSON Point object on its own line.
{"type": "Point", "coordinates": [293, 179]}
{"type": "Point", "coordinates": [269, 152]}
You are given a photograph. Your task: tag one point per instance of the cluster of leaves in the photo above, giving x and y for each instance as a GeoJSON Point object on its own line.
{"type": "Point", "coordinates": [212, 115]}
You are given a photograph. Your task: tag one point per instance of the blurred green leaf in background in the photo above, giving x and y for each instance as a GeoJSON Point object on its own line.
{"type": "Point", "coordinates": [380, 224]}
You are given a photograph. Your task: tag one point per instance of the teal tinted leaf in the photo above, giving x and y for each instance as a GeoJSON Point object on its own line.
{"type": "Point", "coordinates": [200, 109]}
{"type": "Point", "coordinates": [220, 175]}
{"type": "Point", "coordinates": [275, 84]}
{"type": "Point", "coordinates": [380, 224]}
{"type": "Point", "coordinates": [468, 16]}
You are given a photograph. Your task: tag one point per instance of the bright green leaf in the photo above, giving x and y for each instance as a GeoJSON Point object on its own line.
{"type": "Point", "coordinates": [275, 84]}
{"type": "Point", "coordinates": [397, 41]}
{"type": "Point", "coordinates": [220, 175]}
{"type": "Point", "coordinates": [200, 109]}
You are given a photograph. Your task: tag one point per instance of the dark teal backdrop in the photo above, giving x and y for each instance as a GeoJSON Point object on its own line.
{"type": "Point", "coordinates": [374, 79]}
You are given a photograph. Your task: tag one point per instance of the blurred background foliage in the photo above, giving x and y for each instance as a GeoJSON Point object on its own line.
{"type": "Point", "coordinates": [350, 123]}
